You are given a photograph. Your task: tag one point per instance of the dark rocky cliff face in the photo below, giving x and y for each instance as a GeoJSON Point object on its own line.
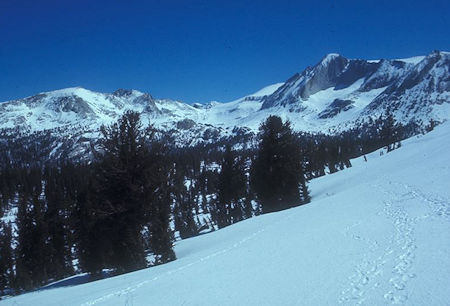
{"type": "Point", "coordinates": [123, 93]}
{"type": "Point", "coordinates": [324, 75]}
{"type": "Point", "coordinates": [148, 102]}
{"type": "Point", "coordinates": [335, 108]}
{"type": "Point", "coordinates": [332, 71]}
{"type": "Point", "coordinates": [312, 80]}
{"type": "Point", "coordinates": [354, 71]}
{"type": "Point", "coordinates": [72, 104]}
{"type": "Point", "coordinates": [386, 73]}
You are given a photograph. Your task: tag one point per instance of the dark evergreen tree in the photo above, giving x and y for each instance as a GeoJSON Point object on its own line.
{"type": "Point", "coordinates": [128, 192]}
{"type": "Point", "coordinates": [183, 210]}
{"type": "Point", "coordinates": [7, 259]}
{"type": "Point", "coordinates": [157, 199]}
{"type": "Point", "coordinates": [92, 248]}
{"type": "Point", "coordinates": [277, 169]}
{"type": "Point", "coordinates": [248, 207]}
{"type": "Point", "coordinates": [431, 125]}
{"type": "Point", "coordinates": [161, 236]}
{"type": "Point", "coordinates": [56, 218]}
{"type": "Point", "coordinates": [32, 249]}
{"type": "Point", "coordinates": [7, 182]}
{"type": "Point", "coordinates": [389, 131]}
{"type": "Point", "coordinates": [231, 189]}
{"type": "Point", "coordinates": [120, 206]}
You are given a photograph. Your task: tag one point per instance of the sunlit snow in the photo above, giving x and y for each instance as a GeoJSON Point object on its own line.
{"type": "Point", "coordinates": [374, 234]}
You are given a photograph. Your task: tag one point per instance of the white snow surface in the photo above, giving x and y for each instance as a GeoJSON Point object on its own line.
{"type": "Point", "coordinates": [410, 60]}
{"type": "Point", "coordinates": [268, 90]}
{"type": "Point", "coordinates": [328, 58]}
{"type": "Point", "coordinates": [374, 234]}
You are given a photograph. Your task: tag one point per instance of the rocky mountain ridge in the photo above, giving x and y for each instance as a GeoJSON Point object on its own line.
{"type": "Point", "coordinates": [330, 96]}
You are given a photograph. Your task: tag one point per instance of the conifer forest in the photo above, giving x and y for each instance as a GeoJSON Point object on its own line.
{"type": "Point", "coordinates": [123, 209]}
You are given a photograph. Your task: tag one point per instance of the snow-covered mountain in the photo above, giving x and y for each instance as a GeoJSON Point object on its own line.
{"type": "Point", "coordinates": [338, 91]}
{"type": "Point", "coordinates": [380, 238]}
{"type": "Point", "coordinates": [332, 95]}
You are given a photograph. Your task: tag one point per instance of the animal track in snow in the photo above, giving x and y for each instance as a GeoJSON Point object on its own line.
{"type": "Point", "coordinates": [366, 273]}
{"type": "Point", "coordinates": [398, 254]}
{"type": "Point", "coordinates": [404, 246]}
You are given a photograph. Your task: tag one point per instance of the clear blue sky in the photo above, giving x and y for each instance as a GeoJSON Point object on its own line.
{"type": "Point", "coordinates": [200, 50]}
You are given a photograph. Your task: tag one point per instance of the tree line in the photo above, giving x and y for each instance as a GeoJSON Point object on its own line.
{"type": "Point", "coordinates": [123, 210]}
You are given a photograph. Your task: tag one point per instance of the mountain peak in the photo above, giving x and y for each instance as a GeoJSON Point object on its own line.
{"type": "Point", "coordinates": [329, 58]}
{"type": "Point", "coordinates": [121, 92]}
{"type": "Point", "coordinates": [66, 91]}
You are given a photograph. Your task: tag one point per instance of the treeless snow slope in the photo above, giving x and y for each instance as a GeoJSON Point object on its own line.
{"type": "Point", "coordinates": [375, 234]}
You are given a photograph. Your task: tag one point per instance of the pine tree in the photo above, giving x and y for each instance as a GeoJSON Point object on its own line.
{"type": "Point", "coordinates": [431, 125]}
{"type": "Point", "coordinates": [32, 249]}
{"type": "Point", "coordinates": [390, 131]}
{"type": "Point", "coordinates": [129, 191]}
{"type": "Point", "coordinates": [183, 216]}
{"type": "Point", "coordinates": [231, 189]}
{"type": "Point", "coordinates": [56, 218]}
{"type": "Point", "coordinates": [92, 248]}
{"type": "Point", "coordinates": [161, 236]}
{"type": "Point", "coordinates": [157, 198]}
{"type": "Point", "coordinates": [277, 170]}
{"type": "Point", "coordinates": [7, 259]}
{"type": "Point", "coordinates": [120, 206]}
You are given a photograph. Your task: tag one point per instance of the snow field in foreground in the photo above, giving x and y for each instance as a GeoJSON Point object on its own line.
{"type": "Point", "coordinates": [374, 234]}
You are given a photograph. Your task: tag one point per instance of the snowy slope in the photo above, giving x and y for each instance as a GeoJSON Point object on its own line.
{"type": "Point", "coordinates": [72, 106]}
{"type": "Point", "coordinates": [374, 234]}
{"type": "Point", "coordinates": [332, 94]}
{"type": "Point", "coordinates": [238, 112]}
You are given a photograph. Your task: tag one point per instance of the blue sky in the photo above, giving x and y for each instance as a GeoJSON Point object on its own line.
{"type": "Point", "coordinates": [198, 51]}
